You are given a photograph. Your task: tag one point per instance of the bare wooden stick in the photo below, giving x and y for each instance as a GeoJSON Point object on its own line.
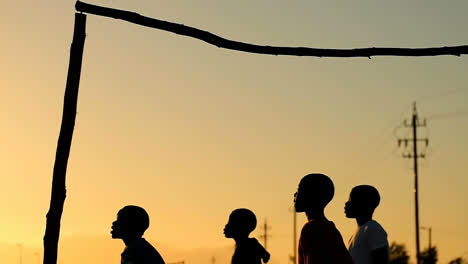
{"type": "Point", "coordinates": [58, 194]}
{"type": "Point", "coordinates": [220, 42]}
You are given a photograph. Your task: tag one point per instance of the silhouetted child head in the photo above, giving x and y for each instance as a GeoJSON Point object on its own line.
{"type": "Point", "coordinates": [240, 224]}
{"type": "Point", "coordinates": [315, 191]}
{"type": "Point", "coordinates": [362, 201]}
{"type": "Point", "coordinates": [132, 222]}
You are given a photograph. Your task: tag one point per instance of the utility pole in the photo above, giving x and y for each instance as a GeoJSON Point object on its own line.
{"type": "Point", "coordinates": [37, 257]}
{"type": "Point", "coordinates": [429, 229]}
{"type": "Point", "coordinates": [415, 155]}
{"type": "Point", "coordinates": [20, 246]}
{"type": "Point", "coordinates": [430, 237]}
{"type": "Point", "coordinates": [265, 235]}
{"type": "Point", "coordinates": [293, 257]}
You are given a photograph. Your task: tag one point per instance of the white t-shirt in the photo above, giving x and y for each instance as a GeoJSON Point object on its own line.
{"type": "Point", "coordinates": [368, 237]}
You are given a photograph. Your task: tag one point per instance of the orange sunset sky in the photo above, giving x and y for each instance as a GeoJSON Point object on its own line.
{"type": "Point", "coordinates": [191, 132]}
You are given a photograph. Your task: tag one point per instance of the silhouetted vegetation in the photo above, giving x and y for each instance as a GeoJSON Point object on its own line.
{"type": "Point", "coordinates": [398, 254]}
{"type": "Point", "coordinates": [458, 260]}
{"type": "Point", "coordinates": [429, 256]}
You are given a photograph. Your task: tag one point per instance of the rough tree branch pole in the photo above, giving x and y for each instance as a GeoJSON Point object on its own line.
{"type": "Point", "coordinates": [58, 194]}
{"type": "Point", "coordinates": [271, 50]}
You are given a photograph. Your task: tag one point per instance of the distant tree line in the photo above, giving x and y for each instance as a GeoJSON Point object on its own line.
{"type": "Point", "coordinates": [399, 255]}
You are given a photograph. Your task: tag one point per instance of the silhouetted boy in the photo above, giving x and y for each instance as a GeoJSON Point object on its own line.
{"type": "Point", "coordinates": [132, 221]}
{"type": "Point", "coordinates": [369, 245]}
{"type": "Point", "coordinates": [320, 241]}
{"type": "Point", "coordinates": [248, 250]}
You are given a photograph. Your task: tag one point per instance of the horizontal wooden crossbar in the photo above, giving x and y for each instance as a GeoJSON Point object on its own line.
{"type": "Point", "coordinates": [220, 42]}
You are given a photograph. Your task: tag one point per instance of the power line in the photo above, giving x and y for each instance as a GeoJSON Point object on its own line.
{"type": "Point", "coordinates": [382, 138]}
{"type": "Point", "coordinates": [461, 113]}
{"type": "Point", "coordinates": [443, 94]}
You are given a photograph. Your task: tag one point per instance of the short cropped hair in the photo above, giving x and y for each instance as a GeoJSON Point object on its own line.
{"type": "Point", "coordinates": [245, 219]}
{"type": "Point", "coordinates": [136, 218]}
{"type": "Point", "coordinates": [319, 187]}
{"type": "Point", "coordinates": [367, 195]}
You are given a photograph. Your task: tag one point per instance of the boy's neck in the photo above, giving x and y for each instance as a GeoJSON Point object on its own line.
{"type": "Point", "coordinates": [240, 239]}
{"type": "Point", "coordinates": [316, 215]}
{"type": "Point", "coordinates": [129, 240]}
{"type": "Point", "coordinates": [361, 220]}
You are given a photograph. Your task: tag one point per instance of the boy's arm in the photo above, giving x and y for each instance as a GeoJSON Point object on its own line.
{"type": "Point", "coordinates": [380, 256]}
{"type": "Point", "coordinates": [266, 257]}
{"type": "Point", "coordinates": [264, 254]}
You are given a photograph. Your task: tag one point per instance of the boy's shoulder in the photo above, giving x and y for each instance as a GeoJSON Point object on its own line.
{"type": "Point", "coordinates": [140, 250]}
{"type": "Point", "coordinates": [319, 225]}
{"type": "Point", "coordinates": [253, 241]}
{"type": "Point", "coordinates": [321, 242]}
{"type": "Point", "coordinates": [249, 251]}
{"type": "Point", "coordinates": [252, 244]}
{"type": "Point", "coordinates": [372, 234]}
{"type": "Point", "coordinates": [322, 230]}
{"type": "Point", "coordinates": [372, 225]}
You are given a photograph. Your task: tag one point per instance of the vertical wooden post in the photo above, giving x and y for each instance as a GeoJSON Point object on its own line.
{"type": "Point", "coordinates": [58, 193]}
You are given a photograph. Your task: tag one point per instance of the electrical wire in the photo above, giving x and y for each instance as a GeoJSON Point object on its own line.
{"type": "Point", "coordinates": [443, 94]}
{"type": "Point", "coordinates": [442, 116]}
{"type": "Point", "coordinates": [384, 136]}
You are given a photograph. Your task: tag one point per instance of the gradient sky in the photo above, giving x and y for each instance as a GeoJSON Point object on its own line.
{"type": "Point", "coordinates": [191, 132]}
